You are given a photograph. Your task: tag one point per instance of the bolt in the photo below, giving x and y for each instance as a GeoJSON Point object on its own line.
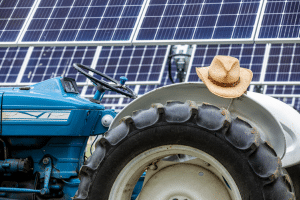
{"type": "Point", "coordinates": [153, 166]}
{"type": "Point", "coordinates": [46, 161]}
{"type": "Point", "coordinates": [44, 191]}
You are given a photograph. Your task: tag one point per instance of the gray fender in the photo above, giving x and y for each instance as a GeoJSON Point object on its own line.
{"type": "Point", "coordinates": [251, 107]}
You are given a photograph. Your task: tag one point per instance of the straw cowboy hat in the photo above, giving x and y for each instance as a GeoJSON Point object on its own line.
{"type": "Point", "coordinates": [224, 77]}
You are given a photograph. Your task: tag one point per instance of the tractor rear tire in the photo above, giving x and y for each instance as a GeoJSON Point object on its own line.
{"type": "Point", "coordinates": [247, 166]}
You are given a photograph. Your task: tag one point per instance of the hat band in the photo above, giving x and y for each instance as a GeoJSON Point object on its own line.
{"type": "Point", "coordinates": [223, 84]}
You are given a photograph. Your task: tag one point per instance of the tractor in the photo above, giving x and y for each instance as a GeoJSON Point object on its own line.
{"type": "Point", "coordinates": [178, 142]}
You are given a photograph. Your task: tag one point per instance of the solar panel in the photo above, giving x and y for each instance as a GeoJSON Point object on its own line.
{"type": "Point", "coordinates": [280, 21]}
{"type": "Point", "coordinates": [283, 63]}
{"type": "Point", "coordinates": [112, 103]}
{"type": "Point", "coordinates": [81, 21]}
{"type": "Point", "coordinates": [91, 90]}
{"type": "Point", "coordinates": [13, 14]}
{"type": "Point", "coordinates": [250, 56]}
{"type": "Point", "coordinates": [205, 21]}
{"type": "Point", "coordinates": [140, 64]}
{"type": "Point", "coordinates": [11, 61]}
{"type": "Point", "coordinates": [49, 62]}
{"type": "Point", "coordinates": [282, 89]}
{"type": "Point", "coordinates": [297, 104]}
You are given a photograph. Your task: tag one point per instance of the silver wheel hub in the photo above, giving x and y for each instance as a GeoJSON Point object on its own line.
{"type": "Point", "coordinates": [200, 177]}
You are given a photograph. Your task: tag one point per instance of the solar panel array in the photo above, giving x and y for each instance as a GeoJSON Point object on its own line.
{"type": "Point", "coordinates": [125, 22]}
{"type": "Point", "coordinates": [282, 89]}
{"type": "Point", "coordinates": [81, 20]}
{"type": "Point", "coordinates": [280, 20]}
{"type": "Point", "coordinates": [198, 20]}
{"type": "Point", "coordinates": [11, 61]}
{"type": "Point", "coordinates": [251, 56]}
{"type": "Point", "coordinates": [49, 62]}
{"type": "Point", "coordinates": [56, 33]}
{"type": "Point", "coordinates": [137, 63]}
{"type": "Point", "coordinates": [283, 63]}
{"type": "Point", "coordinates": [13, 14]}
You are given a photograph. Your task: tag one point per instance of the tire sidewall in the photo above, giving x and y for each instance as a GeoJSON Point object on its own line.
{"type": "Point", "coordinates": [213, 143]}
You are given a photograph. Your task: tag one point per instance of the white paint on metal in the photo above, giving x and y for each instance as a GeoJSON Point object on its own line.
{"type": "Point", "coordinates": [34, 115]}
{"type": "Point", "coordinates": [245, 106]}
{"type": "Point", "coordinates": [182, 181]}
{"type": "Point", "coordinates": [107, 120]}
{"type": "Point", "coordinates": [289, 119]}
{"type": "Point", "coordinates": [175, 179]}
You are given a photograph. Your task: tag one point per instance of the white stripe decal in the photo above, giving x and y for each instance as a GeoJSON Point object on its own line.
{"type": "Point", "coordinates": [35, 115]}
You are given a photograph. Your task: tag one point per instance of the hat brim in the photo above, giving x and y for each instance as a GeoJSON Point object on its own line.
{"type": "Point", "coordinates": [226, 92]}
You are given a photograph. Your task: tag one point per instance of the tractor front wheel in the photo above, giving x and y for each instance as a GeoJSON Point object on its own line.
{"type": "Point", "coordinates": [188, 152]}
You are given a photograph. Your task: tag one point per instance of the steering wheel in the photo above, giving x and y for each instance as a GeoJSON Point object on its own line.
{"type": "Point", "coordinates": [117, 88]}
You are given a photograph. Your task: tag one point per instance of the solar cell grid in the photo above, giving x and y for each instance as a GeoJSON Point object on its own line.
{"type": "Point", "coordinates": [250, 56]}
{"type": "Point", "coordinates": [198, 20]}
{"type": "Point", "coordinates": [81, 20]}
{"type": "Point", "coordinates": [137, 63]}
{"type": "Point", "coordinates": [91, 90]}
{"type": "Point", "coordinates": [13, 14]}
{"type": "Point", "coordinates": [165, 80]}
{"type": "Point", "coordinates": [49, 62]}
{"type": "Point", "coordinates": [282, 89]}
{"type": "Point", "coordinates": [283, 63]}
{"type": "Point", "coordinates": [281, 19]}
{"type": "Point", "coordinates": [11, 60]}
{"type": "Point", "coordinates": [297, 104]}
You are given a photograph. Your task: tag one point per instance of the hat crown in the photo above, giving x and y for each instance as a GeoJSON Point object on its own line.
{"type": "Point", "coordinates": [224, 69]}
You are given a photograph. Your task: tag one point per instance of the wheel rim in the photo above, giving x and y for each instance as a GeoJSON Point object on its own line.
{"type": "Point", "coordinates": [202, 177]}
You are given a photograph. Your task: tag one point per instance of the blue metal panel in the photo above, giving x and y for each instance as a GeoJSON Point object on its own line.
{"type": "Point", "coordinates": [1, 100]}
{"type": "Point", "coordinates": [66, 153]}
{"type": "Point", "coordinates": [50, 111]}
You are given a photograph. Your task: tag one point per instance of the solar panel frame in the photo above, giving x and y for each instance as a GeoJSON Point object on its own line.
{"type": "Point", "coordinates": [27, 19]}
{"type": "Point", "coordinates": [273, 40]}
{"type": "Point", "coordinates": [195, 41]}
{"type": "Point", "coordinates": [79, 43]}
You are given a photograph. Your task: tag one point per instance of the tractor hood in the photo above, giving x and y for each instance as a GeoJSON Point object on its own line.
{"type": "Point", "coordinates": [49, 108]}
{"type": "Point", "coordinates": [49, 94]}
{"type": "Point", "coordinates": [276, 122]}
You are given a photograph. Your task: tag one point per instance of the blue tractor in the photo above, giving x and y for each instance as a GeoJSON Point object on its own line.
{"type": "Point", "coordinates": [44, 132]}
{"type": "Point", "coordinates": [205, 148]}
